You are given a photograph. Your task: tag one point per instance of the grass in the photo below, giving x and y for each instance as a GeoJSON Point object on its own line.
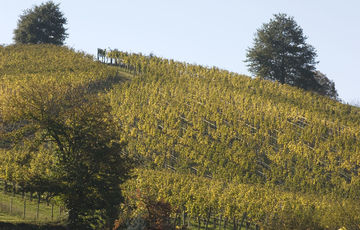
{"type": "Point", "coordinates": [4, 217]}
{"type": "Point", "coordinates": [12, 210]}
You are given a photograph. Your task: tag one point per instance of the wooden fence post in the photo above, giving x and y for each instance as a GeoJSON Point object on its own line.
{"type": "Point", "coordinates": [24, 208]}
{"type": "Point", "coordinates": [52, 211]}
{"type": "Point", "coordinates": [11, 203]}
{"type": "Point", "coordinates": [38, 207]}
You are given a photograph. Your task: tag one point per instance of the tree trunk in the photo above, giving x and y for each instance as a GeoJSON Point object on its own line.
{"type": "Point", "coordinates": [73, 219]}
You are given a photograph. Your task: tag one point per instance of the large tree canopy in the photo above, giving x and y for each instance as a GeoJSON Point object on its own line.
{"type": "Point", "coordinates": [76, 129]}
{"type": "Point", "coordinates": [280, 53]}
{"type": "Point", "coordinates": [41, 24]}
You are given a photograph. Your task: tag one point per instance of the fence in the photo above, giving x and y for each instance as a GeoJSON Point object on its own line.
{"type": "Point", "coordinates": [22, 207]}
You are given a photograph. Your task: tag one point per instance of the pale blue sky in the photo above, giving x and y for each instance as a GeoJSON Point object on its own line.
{"type": "Point", "coordinates": [207, 32]}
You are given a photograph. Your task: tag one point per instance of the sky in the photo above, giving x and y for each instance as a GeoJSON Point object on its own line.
{"type": "Point", "coordinates": [207, 32]}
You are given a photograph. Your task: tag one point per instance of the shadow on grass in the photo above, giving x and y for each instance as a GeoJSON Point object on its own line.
{"type": "Point", "coordinates": [25, 226]}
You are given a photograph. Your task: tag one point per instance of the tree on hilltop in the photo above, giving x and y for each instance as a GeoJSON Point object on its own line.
{"type": "Point", "coordinates": [280, 53]}
{"type": "Point", "coordinates": [41, 24]}
{"type": "Point", "coordinates": [327, 87]}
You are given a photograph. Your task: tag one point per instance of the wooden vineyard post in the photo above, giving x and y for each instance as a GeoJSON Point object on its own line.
{"type": "Point", "coordinates": [188, 221]}
{"type": "Point", "coordinates": [184, 218]}
{"type": "Point", "coordinates": [214, 222]}
{"type": "Point", "coordinates": [208, 220]}
{"type": "Point", "coordinates": [247, 225]}
{"type": "Point", "coordinates": [242, 220]}
{"type": "Point", "coordinates": [199, 223]}
{"type": "Point", "coordinates": [220, 220]}
{"type": "Point", "coordinates": [234, 223]}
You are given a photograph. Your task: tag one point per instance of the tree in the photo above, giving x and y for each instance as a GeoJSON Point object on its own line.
{"type": "Point", "coordinates": [41, 24]}
{"type": "Point", "coordinates": [327, 87]}
{"type": "Point", "coordinates": [280, 53]}
{"type": "Point", "coordinates": [77, 128]}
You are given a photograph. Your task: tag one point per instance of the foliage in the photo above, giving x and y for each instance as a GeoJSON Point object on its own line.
{"type": "Point", "coordinates": [152, 214]}
{"type": "Point", "coordinates": [221, 125]}
{"type": "Point", "coordinates": [271, 208]}
{"type": "Point", "coordinates": [73, 127]}
{"type": "Point", "coordinates": [142, 210]}
{"type": "Point", "coordinates": [327, 87]}
{"type": "Point", "coordinates": [41, 24]}
{"type": "Point", "coordinates": [280, 53]}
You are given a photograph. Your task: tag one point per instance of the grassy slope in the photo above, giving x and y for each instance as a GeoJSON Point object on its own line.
{"type": "Point", "coordinates": [31, 209]}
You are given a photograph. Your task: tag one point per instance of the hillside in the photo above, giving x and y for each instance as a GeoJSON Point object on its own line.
{"type": "Point", "coordinates": [212, 143]}
{"type": "Point", "coordinates": [228, 126]}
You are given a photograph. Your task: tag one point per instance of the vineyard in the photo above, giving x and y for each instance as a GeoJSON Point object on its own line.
{"type": "Point", "coordinates": [217, 146]}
